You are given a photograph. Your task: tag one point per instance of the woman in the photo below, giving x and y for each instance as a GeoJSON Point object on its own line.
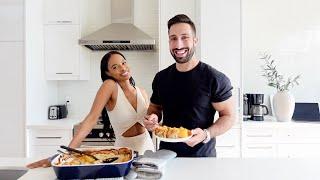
{"type": "Point", "coordinates": [126, 105]}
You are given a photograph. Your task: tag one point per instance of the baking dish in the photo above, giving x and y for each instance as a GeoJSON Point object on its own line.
{"type": "Point", "coordinates": [92, 171]}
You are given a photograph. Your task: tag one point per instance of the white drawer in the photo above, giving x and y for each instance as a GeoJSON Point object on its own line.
{"type": "Point", "coordinates": [259, 150]}
{"type": "Point", "coordinates": [228, 139]}
{"type": "Point", "coordinates": [258, 135]}
{"type": "Point", "coordinates": [43, 151]}
{"type": "Point", "coordinates": [300, 132]}
{"type": "Point", "coordinates": [228, 151]}
{"type": "Point", "coordinates": [50, 137]}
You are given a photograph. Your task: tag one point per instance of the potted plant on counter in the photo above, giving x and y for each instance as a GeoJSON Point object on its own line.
{"type": "Point", "coordinates": [283, 101]}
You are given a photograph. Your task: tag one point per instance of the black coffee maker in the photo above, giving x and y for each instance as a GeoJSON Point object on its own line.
{"type": "Point", "coordinates": [253, 107]}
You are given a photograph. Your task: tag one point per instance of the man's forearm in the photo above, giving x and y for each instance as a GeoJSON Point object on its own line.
{"type": "Point", "coordinates": [222, 125]}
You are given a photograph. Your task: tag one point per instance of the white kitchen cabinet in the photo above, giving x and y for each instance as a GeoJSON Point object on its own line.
{"type": "Point", "coordinates": [45, 142]}
{"type": "Point", "coordinates": [299, 142]}
{"type": "Point", "coordinates": [302, 150]}
{"type": "Point", "coordinates": [12, 98]}
{"type": "Point", "coordinates": [65, 22]}
{"type": "Point", "coordinates": [276, 139]}
{"type": "Point", "coordinates": [259, 142]}
{"type": "Point", "coordinates": [61, 51]}
{"type": "Point", "coordinates": [259, 150]}
{"type": "Point", "coordinates": [228, 144]}
{"type": "Point", "coordinates": [11, 20]}
{"type": "Point", "coordinates": [61, 12]}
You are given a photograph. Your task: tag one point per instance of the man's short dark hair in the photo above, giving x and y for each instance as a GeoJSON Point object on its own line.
{"type": "Point", "coordinates": [181, 18]}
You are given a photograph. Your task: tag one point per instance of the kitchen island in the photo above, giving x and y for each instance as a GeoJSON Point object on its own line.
{"type": "Point", "coordinates": [208, 168]}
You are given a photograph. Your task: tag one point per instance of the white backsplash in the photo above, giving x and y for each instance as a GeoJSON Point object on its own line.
{"type": "Point", "coordinates": [144, 66]}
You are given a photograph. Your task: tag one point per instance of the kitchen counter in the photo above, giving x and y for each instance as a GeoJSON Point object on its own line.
{"type": "Point", "coordinates": [65, 123]}
{"type": "Point", "coordinates": [271, 122]}
{"type": "Point", "coordinates": [209, 168]}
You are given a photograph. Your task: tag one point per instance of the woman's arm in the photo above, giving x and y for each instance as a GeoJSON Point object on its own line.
{"type": "Point", "coordinates": [102, 97]}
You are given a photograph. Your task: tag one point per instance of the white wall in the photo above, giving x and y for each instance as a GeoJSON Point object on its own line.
{"type": "Point", "coordinates": [290, 30]}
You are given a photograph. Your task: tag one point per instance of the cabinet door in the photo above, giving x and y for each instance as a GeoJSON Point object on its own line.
{"type": "Point", "coordinates": [228, 144]}
{"type": "Point", "coordinates": [43, 143]}
{"type": "Point", "coordinates": [11, 20]}
{"type": "Point", "coordinates": [40, 152]}
{"type": "Point", "coordinates": [299, 150]}
{"type": "Point", "coordinates": [61, 51]}
{"type": "Point", "coordinates": [259, 150]}
{"type": "Point", "coordinates": [12, 78]}
{"type": "Point", "coordinates": [220, 37]}
{"type": "Point", "coordinates": [61, 12]}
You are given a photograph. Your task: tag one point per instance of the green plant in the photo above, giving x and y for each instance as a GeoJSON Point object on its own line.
{"type": "Point", "coordinates": [275, 79]}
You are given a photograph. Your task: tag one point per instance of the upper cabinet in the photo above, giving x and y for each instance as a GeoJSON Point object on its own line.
{"type": "Point", "coordinates": [64, 58]}
{"type": "Point", "coordinates": [61, 12]}
{"type": "Point", "coordinates": [61, 51]}
{"type": "Point", "coordinates": [11, 20]}
{"type": "Point", "coordinates": [220, 37]}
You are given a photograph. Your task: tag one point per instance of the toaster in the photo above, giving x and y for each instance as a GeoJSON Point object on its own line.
{"type": "Point", "coordinates": [57, 112]}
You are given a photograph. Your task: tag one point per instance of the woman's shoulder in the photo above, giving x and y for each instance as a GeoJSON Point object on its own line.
{"type": "Point", "coordinates": [109, 84]}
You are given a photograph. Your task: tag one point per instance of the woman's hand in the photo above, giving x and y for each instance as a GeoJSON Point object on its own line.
{"type": "Point", "coordinates": [151, 122]}
{"type": "Point", "coordinates": [41, 163]}
{"type": "Point", "coordinates": [198, 135]}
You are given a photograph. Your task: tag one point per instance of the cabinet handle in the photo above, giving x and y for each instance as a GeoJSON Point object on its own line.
{"type": "Point", "coordinates": [239, 100]}
{"type": "Point", "coordinates": [64, 73]}
{"type": "Point", "coordinates": [64, 22]}
{"type": "Point", "coordinates": [230, 146]}
{"type": "Point", "coordinates": [266, 135]}
{"type": "Point", "coordinates": [259, 147]}
{"type": "Point", "coordinates": [48, 137]}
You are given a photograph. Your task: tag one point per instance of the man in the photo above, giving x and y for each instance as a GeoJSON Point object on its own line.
{"type": "Point", "coordinates": [188, 93]}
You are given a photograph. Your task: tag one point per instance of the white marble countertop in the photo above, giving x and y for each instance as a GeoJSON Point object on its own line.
{"type": "Point", "coordinates": [65, 123]}
{"type": "Point", "coordinates": [209, 168]}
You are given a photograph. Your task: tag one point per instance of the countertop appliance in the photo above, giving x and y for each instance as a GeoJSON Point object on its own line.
{"type": "Point", "coordinates": [99, 135]}
{"type": "Point", "coordinates": [253, 108]}
{"type": "Point", "coordinates": [57, 112]}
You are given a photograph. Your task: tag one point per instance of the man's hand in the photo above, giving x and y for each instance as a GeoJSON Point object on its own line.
{"type": "Point", "coordinates": [198, 135]}
{"type": "Point", "coordinates": [151, 122]}
{"type": "Point", "coordinates": [41, 163]}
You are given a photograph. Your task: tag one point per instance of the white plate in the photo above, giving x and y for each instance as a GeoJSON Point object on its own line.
{"type": "Point", "coordinates": [173, 139]}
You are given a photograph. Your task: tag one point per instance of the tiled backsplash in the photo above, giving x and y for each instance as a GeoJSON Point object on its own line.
{"type": "Point", "coordinates": [144, 66]}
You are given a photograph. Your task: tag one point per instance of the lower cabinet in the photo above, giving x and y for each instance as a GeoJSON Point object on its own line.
{"type": "Point", "coordinates": [298, 150]}
{"type": "Point", "coordinates": [259, 150]}
{"type": "Point", "coordinates": [228, 144]}
{"type": "Point", "coordinates": [44, 143]}
{"type": "Point", "coordinates": [294, 140]}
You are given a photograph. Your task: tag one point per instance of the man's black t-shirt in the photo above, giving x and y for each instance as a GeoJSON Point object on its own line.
{"type": "Point", "coordinates": [186, 99]}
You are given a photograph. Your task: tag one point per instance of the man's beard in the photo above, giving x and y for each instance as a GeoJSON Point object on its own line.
{"type": "Point", "coordinates": [181, 60]}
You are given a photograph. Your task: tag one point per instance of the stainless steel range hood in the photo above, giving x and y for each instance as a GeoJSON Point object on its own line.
{"type": "Point", "coordinates": [119, 36]}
